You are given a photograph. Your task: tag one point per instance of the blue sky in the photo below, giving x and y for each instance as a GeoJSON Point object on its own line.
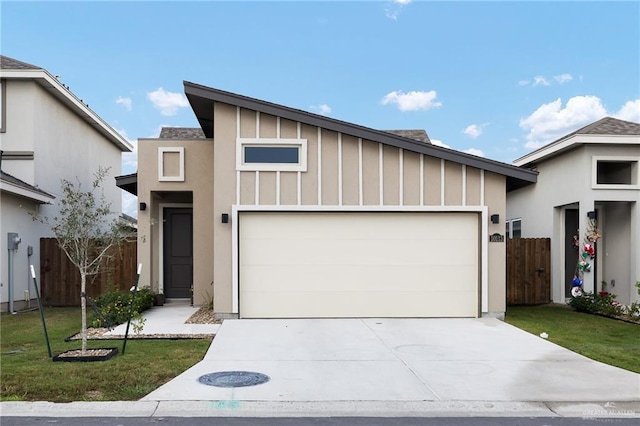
{"type": "Point", "coordinates": [496, 79]}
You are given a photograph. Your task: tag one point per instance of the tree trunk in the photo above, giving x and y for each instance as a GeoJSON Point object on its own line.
{"type": "Point", "coordinates": [83, 306]}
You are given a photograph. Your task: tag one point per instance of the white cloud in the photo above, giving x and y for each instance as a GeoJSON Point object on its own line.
{"type": "Point", "coordinates": [167, 102]}
{"type": "Point", "coordinates": [412, 101]}
{"type": "Point", "coordinates": [474, 151]}
{"type": "Point", "coordinates": [125, 102]}
{"type": "Point", "coordinates": [129, 159]}
{"type": "Point", "coordinates": [322, 109]}
{"type": "Point", "coordinates": [437, 142]}
{"type": "Point", "coordinates": [474, 130]}
{"type": "Point", "coordinates": [129, 204]}
{"type": "Point", "coordinates": [393, 11]}
{"type": "Point", "coordinates": [540, 80]}
{"type": "Point", "coordinates": [630, 111]}
{"type": "Point", "coordinates": [551, 121]}
{"type": "Point", "coordinates": [563, 78]}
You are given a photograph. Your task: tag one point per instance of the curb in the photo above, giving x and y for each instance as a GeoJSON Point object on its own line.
{"type": "Point", "coordinates": [157, 409]}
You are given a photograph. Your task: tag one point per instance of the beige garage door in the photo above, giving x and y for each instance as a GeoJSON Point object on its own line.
{"type": "Point", "coordinates": [347, 264]}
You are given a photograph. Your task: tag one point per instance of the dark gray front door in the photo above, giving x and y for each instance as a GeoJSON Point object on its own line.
{"type": "Point", "coordinates": [571, 223]}
{"type": "Point", "coordinates": [178, 252]}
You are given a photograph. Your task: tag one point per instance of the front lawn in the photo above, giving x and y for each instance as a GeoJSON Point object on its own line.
{"type": "Point", "coordinates": [603, 339]}
{"type": "Point", "coordinates": [27, 373]}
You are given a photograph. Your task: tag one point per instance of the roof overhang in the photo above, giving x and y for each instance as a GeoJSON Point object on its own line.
{"type": "Point", "coordinates": [572, 142]}
{"type": "Point", "coordinates": [128, 183]}
{"type": "Point", "coordinates": [53, 86]}
{"type": "Point", "coordinates": [38, 196]}
{"type": "Point", "coordinates": [203, 98]}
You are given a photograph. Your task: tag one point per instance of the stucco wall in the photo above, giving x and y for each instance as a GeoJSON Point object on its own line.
{"type": "Point", "coordinates": [566, 180]}
{"type": "Point", "coordinates": [198, 181]}
{"type": "Point", "coordinates": [64, 147]}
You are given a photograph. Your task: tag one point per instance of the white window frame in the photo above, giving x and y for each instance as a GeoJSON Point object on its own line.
{"type": "Point", "coordinates": [161, 152]}
{"type": "Point", "coordinates": [301, 166]}
{"type": "Point", "coordinates": [635, 169]}
{"type": "Point", "coordinates": [509, 230]}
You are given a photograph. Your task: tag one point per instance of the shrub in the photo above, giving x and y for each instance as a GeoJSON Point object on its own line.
{"type": "Point", "coordinates": [114, 306]}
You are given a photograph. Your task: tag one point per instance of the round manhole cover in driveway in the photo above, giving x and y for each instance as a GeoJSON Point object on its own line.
{"type": "Point", "coordinates": [233, 379]}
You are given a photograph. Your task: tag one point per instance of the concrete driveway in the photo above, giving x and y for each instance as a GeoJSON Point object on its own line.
{"type": "Point", "coordinates": [397, 360]}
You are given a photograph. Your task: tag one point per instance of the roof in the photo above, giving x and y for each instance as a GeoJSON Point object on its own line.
{"type": "Point", "coordinates": [202, 99]}
{"type": "Point", "coordinates": [7, 63]}
{"type": "Point", "coordinates": [15, 69]}
{"type": "Point", "coordinates": [607, 130]}
{"type": "Point", "coordinates": [418, 135]}
{"type": "Point", "coordinates": [181, 133]}
{"type": "Point", "coordinates": [128, 183]}
{"type": "Point", "coordinates": [19, 187]}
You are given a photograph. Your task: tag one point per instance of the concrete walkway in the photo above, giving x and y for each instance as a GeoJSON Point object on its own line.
{"type": "Point", "coordinates": [169, 320]}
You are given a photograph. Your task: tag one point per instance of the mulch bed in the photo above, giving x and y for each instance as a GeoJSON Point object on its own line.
{"type": "Point", "coordinates": [90, 355]}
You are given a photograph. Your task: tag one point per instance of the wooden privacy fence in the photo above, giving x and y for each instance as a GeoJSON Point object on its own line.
{"type": "Point", "coordinates": [60, 279]}
{"type": "Point", "coordinates": [528, 271]}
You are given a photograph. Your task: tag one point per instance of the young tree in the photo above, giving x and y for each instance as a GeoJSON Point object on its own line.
{"type": "Point", "coordinates": [87, 231]}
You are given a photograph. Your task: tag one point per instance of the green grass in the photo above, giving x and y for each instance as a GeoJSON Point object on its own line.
{"type": "Point", "coordinates": [28, 374]}
{"type": "Point", "coordinates": [603, 339]}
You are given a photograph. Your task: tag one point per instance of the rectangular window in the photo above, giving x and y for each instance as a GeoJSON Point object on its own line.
{"type": "Point", "coordinates": [269, 154]}
{"type": "Point", "coordinates": [514, 228]}
{"type": "Point", "coordinates": [611, 172]}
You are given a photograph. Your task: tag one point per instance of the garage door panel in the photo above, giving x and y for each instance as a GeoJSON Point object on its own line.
{"type": "Point", "coordinates": [340, 305]}
{"type": "Point", "coordinates": [371, 252]}
{"type": "Point", "coordinates": [364, 278]}
{"type": "Point", "coordinates": [358, 264]}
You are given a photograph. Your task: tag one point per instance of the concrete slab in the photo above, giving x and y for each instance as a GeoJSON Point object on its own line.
{"type": "Point", "coordinates": [398, 360]}
{"type": "Point", "coordinates": [169, 320]}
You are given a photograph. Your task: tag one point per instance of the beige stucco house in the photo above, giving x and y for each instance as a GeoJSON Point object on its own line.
{"type": "Point", "coordinates": [588, 180]}
{"type": "Point", "coordinates": [277, 212]}
{"type": "Point", "coordinates": [46, 134]}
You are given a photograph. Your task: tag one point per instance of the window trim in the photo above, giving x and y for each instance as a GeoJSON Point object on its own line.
{"type": "Point", "coordinates": [509, 227]}
{"type": "Point", "coordinates": [635, 169]}
{"type": "Point", "coordinates": [161, 175]}
{"type": "Point", "coordinates": [301, 166]}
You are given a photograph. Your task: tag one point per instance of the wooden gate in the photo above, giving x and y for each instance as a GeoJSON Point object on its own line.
{"type": "Point", "coordinates": [528, 271]}
{"type": "Point", "coordinates": [60, 279]}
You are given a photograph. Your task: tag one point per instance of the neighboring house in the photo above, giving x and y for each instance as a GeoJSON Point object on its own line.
{"type": "Point", "coordinates": [278, 212]}
{"type": "Point", "coordinates": [589, 178]}
{"type": "Point", "coordinates": [46, 134]}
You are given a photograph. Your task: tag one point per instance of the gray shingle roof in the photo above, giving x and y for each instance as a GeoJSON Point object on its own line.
{"type": "Point", "coordinates": [22, 184]}
{"type": "Point", "coordinates": [610, 126]}
{"type": "Point", "coordinates": [181, 133]}
{"type": "Point", "coordinates": [7, 63]}
{"type": "Point", "coordinates": [417, 134]}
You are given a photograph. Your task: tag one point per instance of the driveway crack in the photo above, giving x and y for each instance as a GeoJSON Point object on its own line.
{"type": "Point", "coordinates": [395, 354]}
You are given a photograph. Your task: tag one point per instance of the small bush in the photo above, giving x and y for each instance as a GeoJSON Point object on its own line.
{"type": "Point", "coordinates": [605, 305]}
{"type": "Point", "coordinates": [114, 306]}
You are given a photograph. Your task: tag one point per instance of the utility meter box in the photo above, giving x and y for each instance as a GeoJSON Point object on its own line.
{"type": "Point", "coordinates": [13, 241]}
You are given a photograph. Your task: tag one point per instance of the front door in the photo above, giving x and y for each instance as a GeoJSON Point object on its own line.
{"type": "Point", "coordinates": [571, 223]}
{"type": "Point", "coordinates": [178, 252]}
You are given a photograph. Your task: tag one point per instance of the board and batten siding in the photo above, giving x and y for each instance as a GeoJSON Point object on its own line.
{"type": "Point", "coordinates": [343, 170]}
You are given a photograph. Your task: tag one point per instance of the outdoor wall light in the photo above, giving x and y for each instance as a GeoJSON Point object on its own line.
{"type": "Point", "coordinates": [495, 218]}
{"type": "Point", "coordinates": [225, 217]}
{"type": "Point", "coordinates": [592, 215]}
{"type": "Point", "coordinates": [143, 206]}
